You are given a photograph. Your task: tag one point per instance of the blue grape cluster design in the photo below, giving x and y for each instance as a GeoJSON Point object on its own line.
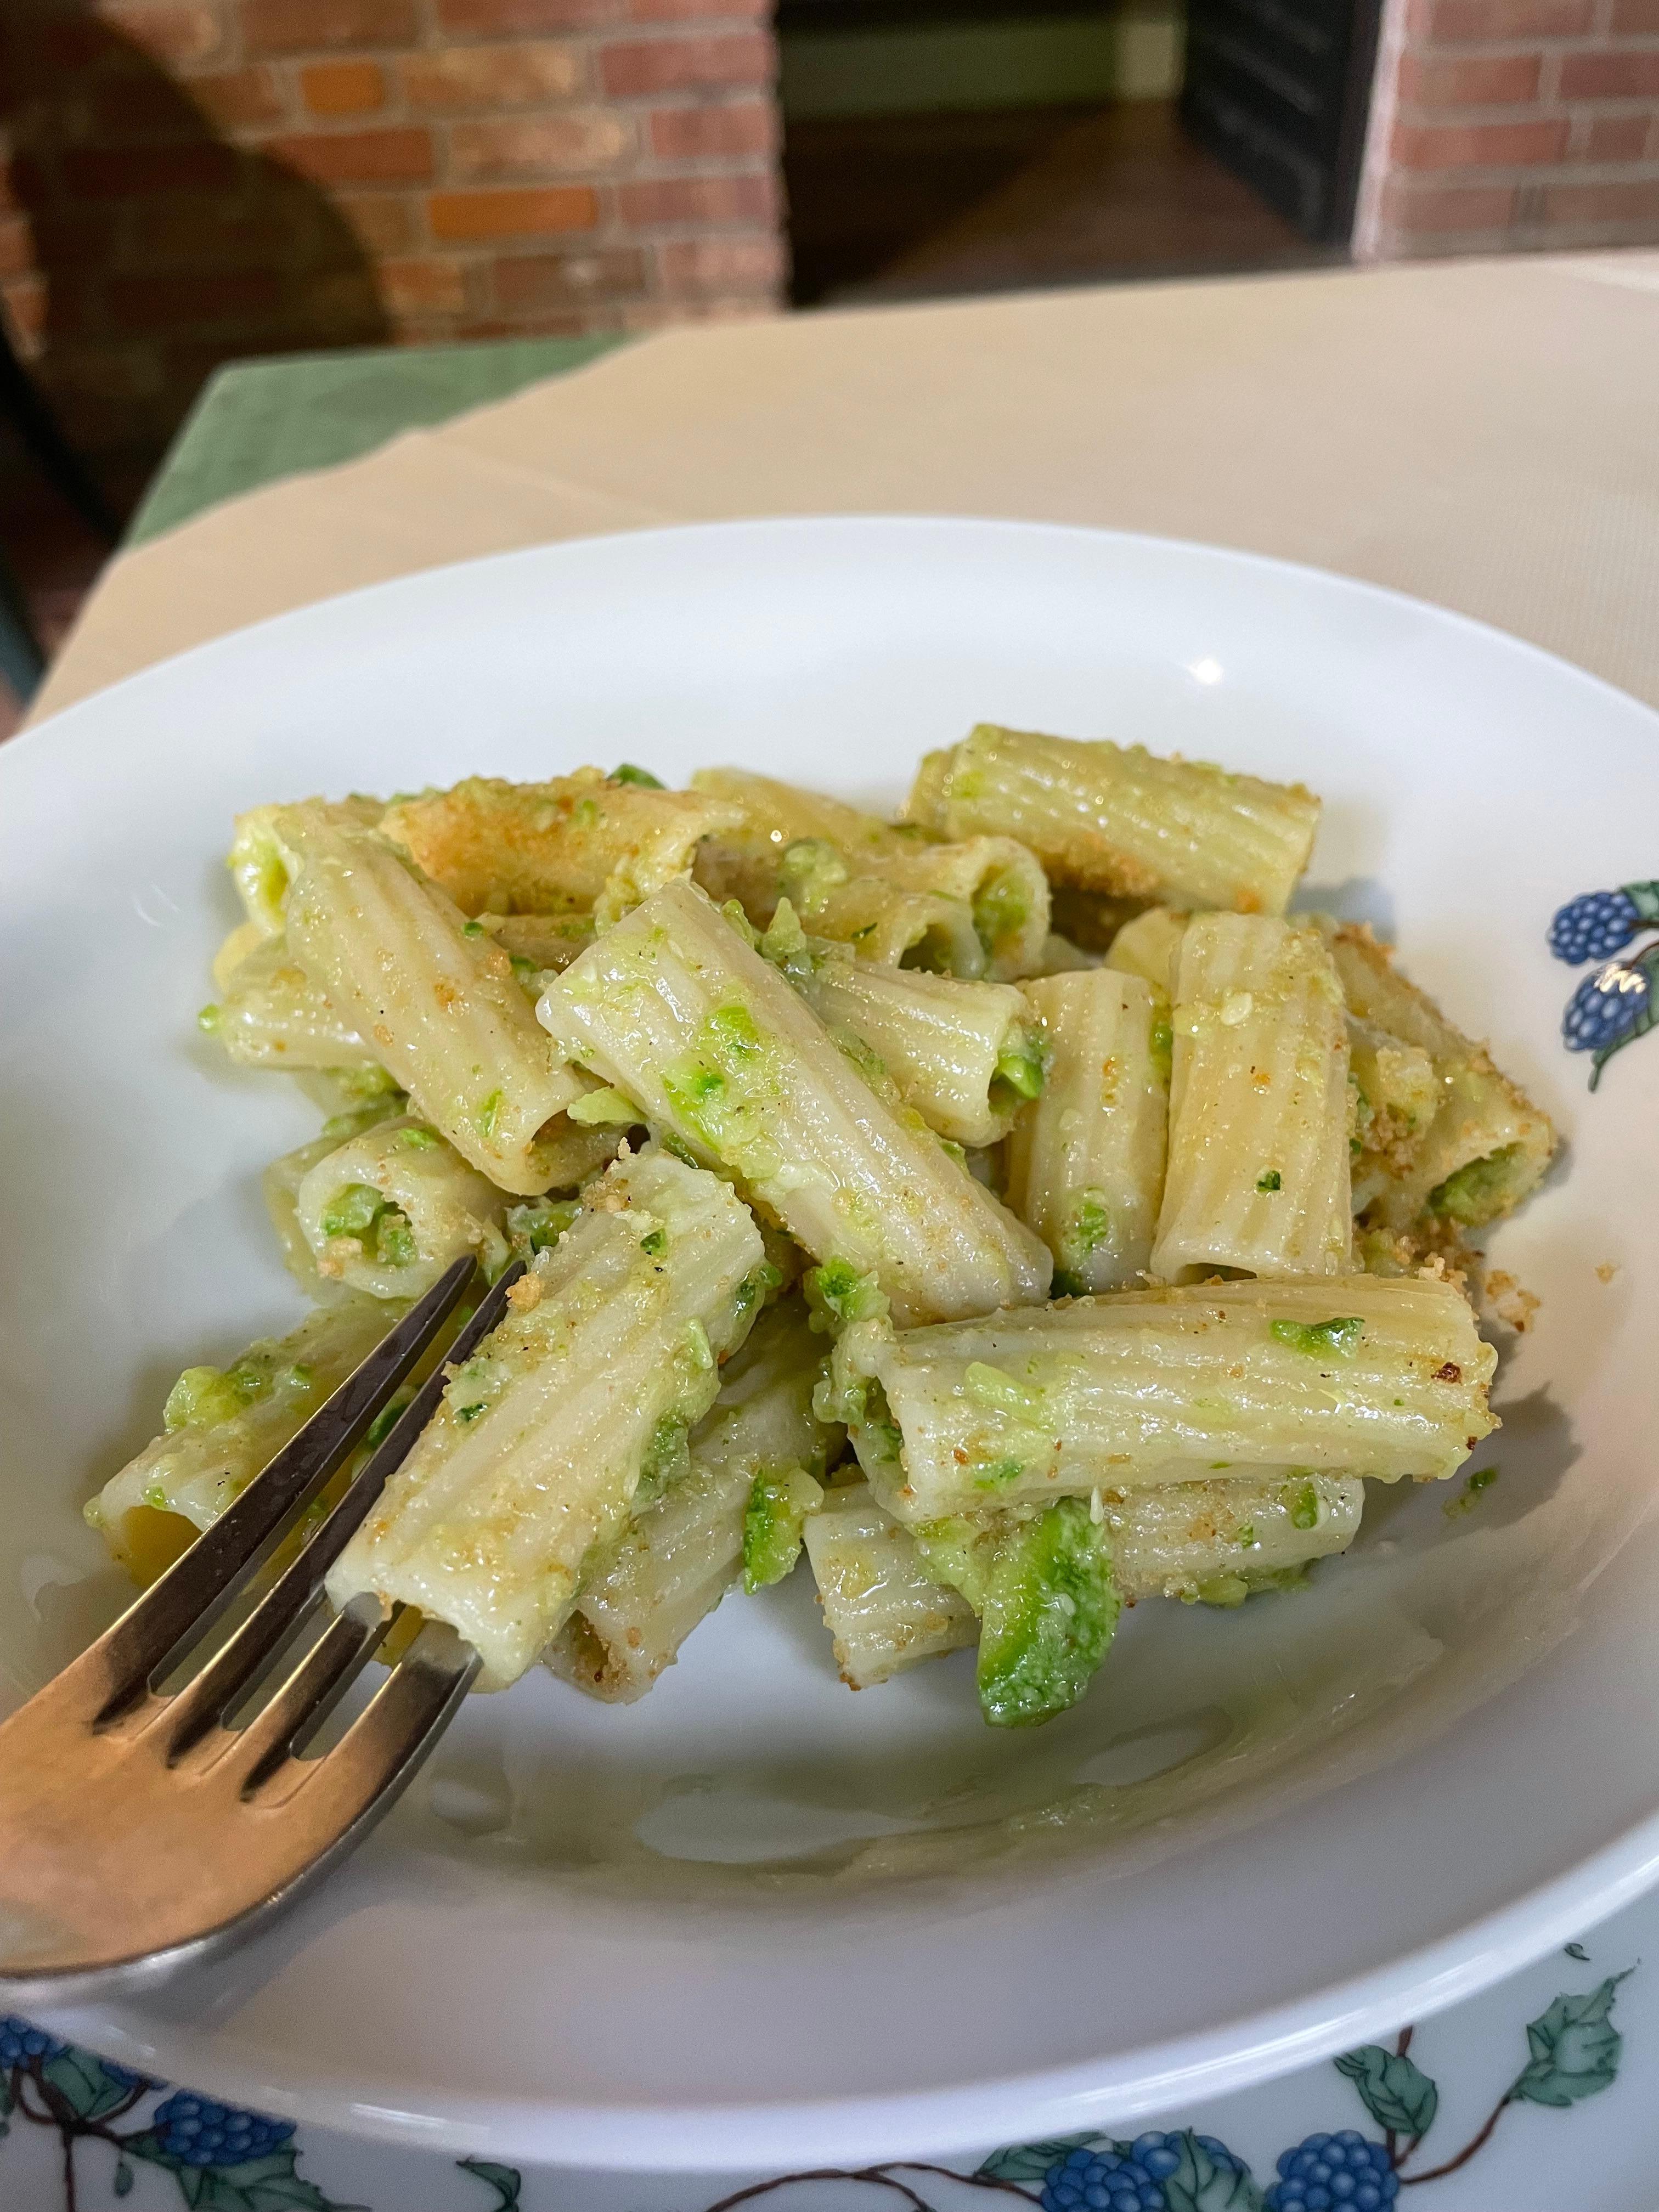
{"type": "Point", "coordinates": [1128, 2178]}
{"type": "Point", "coordinates": [1604, 1007]}
{"type": "Point", "coordinates": [1593, 926]}
{"type": "Point", "coordinates": [20, 2044]}
{"type": "Point", "coordinates": [1616, 1002]}
{"type": "Point", "coordinates": [199, 2132]}
{"type": "Point", "coordinates": [1343, 2172]}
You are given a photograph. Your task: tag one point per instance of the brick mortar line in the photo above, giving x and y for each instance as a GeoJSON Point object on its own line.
{"type": "Point", "coordinates": [1422, 183]}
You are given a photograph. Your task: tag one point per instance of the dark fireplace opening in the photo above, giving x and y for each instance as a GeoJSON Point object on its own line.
{"type": "Point", "coordinates": [934, 148]}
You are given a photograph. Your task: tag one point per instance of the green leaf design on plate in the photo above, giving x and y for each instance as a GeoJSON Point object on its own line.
{"type": "Point", "coordinates": [5, 2097]}
{"type": "Point", "coordinates": [123, 2179]}
{"type": "Point", "coordinates": [258, 2185]}
{"type": "Point", "coordinates": [1398, 2095]}
{"type": "Point", "coordinates": [1202, 2183]}
{"type": "Point", "coordinates": [84, 2085]}
{"type": "Point", "coordinates": [1031, 2161]}
{"type": "Point", "coordinates": [1645, 1019]}
{"type": "Point", "coordinates": [1575, 2048]}
{"type": "Point", "coordinates": [505, 2179]}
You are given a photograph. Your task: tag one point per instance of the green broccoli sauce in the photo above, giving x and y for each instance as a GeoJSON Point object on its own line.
{"type": "Point", "coordinates": [1001, 908]}
{"type": "Point", "coordinates": [641, 776]}
{"type": "Point", "coordinates": [779, 1500]}
{"type": "Point", "coordinates": [1270, 1179]}
{"type": "Point", "coordinates": [723, 1088]}
{"type": "Point", "coordinates": [472, 929]}
{"type": "Point", "coordinates": [761, 1281]}
{"type": "Point", "coordinates": [839, 1295]}
{"type": "Point", "coordinates": [488, 1115]}
{"type": "Point", "coordinates": [667, 1457]}
{"type": "Point", "coordinates": [211, 1020]}
{"type": "Point", "coordinates": [417, 1141]}
{"type": "Point", "coordinates": [654, 1244]}
{"type": "Point", "coordinates": [1050, 1608]}
{"type": "Point", "coordinates": [1468, 1497]}
{"type": "Point", "coordinates": [809, 870]}
{"type": "Point", "coordinates": [204, 1396]}
{"type": "Point", "coordinates": [387, 1419]}
{"type": "Point", "coordinates": [1320, 1340]}
{"type": "Point", "coordinates": [1021, 1065]}
{"type": "Point", "coordinates": [360, 1210]}
{"type": "Point", "coordinates": [1088, 1226]}
{"type": "Point", "coordinates": [538, 1223]}
{"type": "Point", "coordinates": [785, 944]}
{"type": "Point", "coordinates": [1229, 1590]}
{"type": "Point", "coordinates": [586, 814]}
{"type": "Point", "coordinates": [1304, 1506]}
{"type": "Point", "coordinates": [1475, 1192]}
{"type": "Point", "coordinates": [999, 1473]}
{"type": "Point", "coordinates": [1160, 1046]}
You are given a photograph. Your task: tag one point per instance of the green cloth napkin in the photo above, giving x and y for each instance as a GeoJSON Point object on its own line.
{"type": "Point", "coordinates": [260, 420]}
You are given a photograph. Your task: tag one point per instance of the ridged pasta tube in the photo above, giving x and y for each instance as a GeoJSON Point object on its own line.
{"type": "Point", "coordinates": [222, 1426]}
{"type": "Point", "coordinates": [881, 1608]}
{"type": "Point", "coordinates": [1356, 1376]}
{"type": "Point", "coordinates": [683, 1549]}
{"type": "Point", "coordinates": [1149, 946]}
{"type": "Point", "coordinates": [1486, 1147]}
{"type": "Point", "coordinates": [1000, 882]}
{"type": "Point", "coordinates": [386, 1212]}
{"type": "Point", "coordinates": [440, 1008]}
{"type": "Point", "coordinates": [1258, 1176]}
{"type": "Point", "coordinates": [271, 1015]}
{"type": "Point", "coordinates": [1217, 1542]}
{"type": "Point", "coordinates": [1085, 1160]}
{"type": "Point", "coordinates": [676, 1009]}
{"type": "Point", "coordinates": [1119, 819]}
{"type": "Point", "coordinates": [610, 1354]}
{"type": "Point", "coordinates": [967, 1056]}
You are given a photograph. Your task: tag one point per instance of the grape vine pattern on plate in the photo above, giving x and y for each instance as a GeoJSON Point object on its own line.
{"type": "Point", "coordinates": [1619, 1002]}
{"type": "Point", "coordinates": [225, 2159]}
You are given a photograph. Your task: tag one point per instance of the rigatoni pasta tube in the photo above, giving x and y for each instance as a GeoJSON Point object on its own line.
{"type": "Point", "coordinates": [1085, 1159]}
{"type": "Point", "coordinates": [683, 1548]}
{"type": "Point", "coordinates": [441, 1009]}
{"type": "Point", "coordinates": [967, 1056]}
{"type": "Point", "coordinates": [1258, 1176]}
{"type": "Point", "coordinates": [222, 1426]}
{"type": "Point", "coordinates": [271, 1015]}
{"type": "Point", "coordinates": [1356, 1376]}
{"type": "Point", "coordinates": [612, 1344]}
{"type": "Point", "coordinates": [1486, 1146]}
{"type": "Point", "coordinates": [1000, 882]}
{"type": "Point", "coordinates": [1120, 820]}
{"type": "Point", "coordinates": [581, 842]}
{"type": "Point", "coordinates": [675, 1008]}
{"type": "Point", "coordinates": [386, 1212]}
{"type": "Point", "coordinates": [883, 1611]}
{"type": "Point", "coordinates": [1149, 946]}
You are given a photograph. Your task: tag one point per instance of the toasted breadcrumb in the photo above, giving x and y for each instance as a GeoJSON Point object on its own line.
{"type": "Point", "coordinates": [526, 1294]}
{"type": "Point", "coordinates": [1607, 1271]}
{"type": "Point", "coordinates": [1510, 1302]}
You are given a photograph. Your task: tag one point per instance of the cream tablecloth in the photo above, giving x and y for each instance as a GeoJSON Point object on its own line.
{"type": "Point", "coordinates": [1483, 433]}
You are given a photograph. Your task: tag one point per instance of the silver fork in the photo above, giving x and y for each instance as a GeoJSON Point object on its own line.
{"type": "Point", "coordinates": [141, 1831]}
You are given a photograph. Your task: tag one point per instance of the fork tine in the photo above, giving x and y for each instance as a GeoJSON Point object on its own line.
{"type": "Point", "coordinates": [209, 1695]}
{"type": "Point", "coordinates": [323, 1675]}
{"type": "Point", "coordinates": [340, 1795]}
{"type": "Point", "coordinates": [193, 1593]}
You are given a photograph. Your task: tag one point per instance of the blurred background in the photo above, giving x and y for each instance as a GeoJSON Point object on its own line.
{"type": "Point", "coordinates": [188, 183]}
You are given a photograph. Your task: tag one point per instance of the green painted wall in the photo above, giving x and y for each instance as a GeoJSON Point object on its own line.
{"type": "Point", "coordinates": [1134, 55]}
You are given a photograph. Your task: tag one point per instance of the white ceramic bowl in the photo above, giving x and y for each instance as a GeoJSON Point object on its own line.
{"type": "Point", "coordinates": [755, 1920]}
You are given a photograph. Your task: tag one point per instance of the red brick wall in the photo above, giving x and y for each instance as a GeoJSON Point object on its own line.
{"type": "Point", "coordinates": [1506, 124]}
{"type": "Point", "coordinates": [182, 181]}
